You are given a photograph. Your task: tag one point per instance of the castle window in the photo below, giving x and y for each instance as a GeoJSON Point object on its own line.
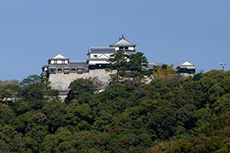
{"type": "Point", "coordinates": [63, 61]}
{"type": "Point", "coordinates": [73, 69]}
{"type": "Point", "coordinates": [59, 70]}
{"type": "Point", "coordinates": [66, 71]}
{"type": "Point", "coordinates": [55, 62]}
{"type": "Point", "coordinates": [126, 48]}
{"type": "Point", "coordinates": [52, 71]}
{"type": "Point", "coordinates": [95, 55]}
{"type": "Point", "coordinates": [80, 71]}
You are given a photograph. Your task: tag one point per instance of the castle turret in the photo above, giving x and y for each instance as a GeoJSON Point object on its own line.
{"type": "Point", "coordinates": [124, 45]}
{"type": "Point", "coordinates": [61, 64]}
{"type": "Point", "coordinates": [186, 68]}
{"type": "Point", "coordinates": [58, 59]}
{"type": "Point", "coordinates": [98, 57]}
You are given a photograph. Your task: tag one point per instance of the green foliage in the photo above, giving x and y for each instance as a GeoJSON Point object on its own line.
{"type": "Point", "coordinates": [164, 72]}
{"type": "Point", "coordinates": [35, 88]}
{"type": "Point", "coordinates": [78, 87]}
{"type": "Point", "coordinates": [54, 112]}
{"type": "Point", "coordinates": [8, 89]}
{"type": "Point", "coordinates": [167, 115]}
{"type": "Point", "coordinates": [6, 114]}
{"type": "Point", "coordinates": [131, 68]}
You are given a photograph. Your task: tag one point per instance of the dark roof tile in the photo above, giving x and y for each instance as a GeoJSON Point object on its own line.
{"type": "Point", "coordinates": [102, 50]}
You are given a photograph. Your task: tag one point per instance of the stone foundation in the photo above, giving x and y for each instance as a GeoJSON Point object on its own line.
{"type": "Point", "coordinates": [61, 81]}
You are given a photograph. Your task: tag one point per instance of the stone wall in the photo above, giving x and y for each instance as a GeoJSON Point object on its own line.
{"type": "Point", "coordinates": [61, 81]}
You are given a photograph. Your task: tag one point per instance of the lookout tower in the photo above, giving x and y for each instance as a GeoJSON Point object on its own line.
{"type": "Point", "coordinates": [186, 68]}
{"type": "Point", "coordinates": [98, 56]}
{"type": "Point", "coordinates": [58, 59]}
{"type": "Point", "coordinates": [124, 45]}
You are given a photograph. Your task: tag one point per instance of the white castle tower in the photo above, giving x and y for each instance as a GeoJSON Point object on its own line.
{"type": "Point", "coordinates": [186, 69]}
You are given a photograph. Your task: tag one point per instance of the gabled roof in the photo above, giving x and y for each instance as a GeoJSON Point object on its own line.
{"type": "Point", "coordinates": [59, 57]}
{"type": "Point", "coordinates": [187, 64]}
{"type": "Point", "coordinates": [122, 42]}
{"type": "Point", "coordinates": [103, 50]}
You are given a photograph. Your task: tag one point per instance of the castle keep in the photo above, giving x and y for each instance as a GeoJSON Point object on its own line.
{"type": "Point", "coordinates": [60, 71]}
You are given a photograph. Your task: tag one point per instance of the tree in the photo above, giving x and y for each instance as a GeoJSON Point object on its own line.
{"type": "Point", "coordinates": [8, 89]}
{"type": "Point", "coordinates": [34, 87]}
{"type": "Point", "coordinates": [164, 72]}
{"type": "Point", "coordinates": [54, 112]}
{"type": "Point", "coordinates": [131, 67]}
{"type": "Point", "coordinates": [96, 82]}
{"type": "Point", "coordinates": [78, 87]}
{"type": "Point", "coordinates": [138, 65]}
{"type": "Point", "coordinates": [6, 114]}
{"type": "Point", "coordinates": [119, 63]}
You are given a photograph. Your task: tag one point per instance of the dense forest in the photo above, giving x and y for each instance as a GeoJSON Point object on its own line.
{"type": "Point", "coordinates": [168, 115]}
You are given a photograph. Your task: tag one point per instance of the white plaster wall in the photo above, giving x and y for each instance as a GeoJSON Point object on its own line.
{"type": "Point", "coordinates": [93, 55]}
{"type": "Point", "coordinates": [99, 56]}
{"type": "Point", "coordinates": [131, 48]}
{"type": "Point", "coordinates": [62, 97]}
{"type": "Point", "coordinates": [187, 75]}
{"type": "Point", "coordinates": [59, 61]}
{"type": "Point", "coordinates": [104, 56]}
{"type": "Point", "coordinates": [98, 62]}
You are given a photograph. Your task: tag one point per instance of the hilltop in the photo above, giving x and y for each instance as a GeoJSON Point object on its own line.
{"type": "Point", "coordinates": [167, 115]}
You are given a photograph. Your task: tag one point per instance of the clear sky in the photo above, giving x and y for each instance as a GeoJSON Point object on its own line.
{"type": "Point", "coordinates": [169, 31]}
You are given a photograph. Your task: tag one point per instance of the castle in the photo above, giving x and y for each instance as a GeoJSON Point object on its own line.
{"type": "Point", "coordinates": [60, 71]}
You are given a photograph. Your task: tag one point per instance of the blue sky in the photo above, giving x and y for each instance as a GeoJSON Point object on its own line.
{"type": "Point", "coordinates": [169, 31]}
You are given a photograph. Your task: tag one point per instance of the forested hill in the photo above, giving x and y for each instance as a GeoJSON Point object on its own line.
{"type": "Point", "coordinates": [190, 115]}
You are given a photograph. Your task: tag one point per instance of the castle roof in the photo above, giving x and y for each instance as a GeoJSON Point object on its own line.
{"type": "Point", "coordinates": [59, 57]}
{"type": "Point", "coordinates": [78, 64]}
{"type": "Point", "coordinates": [122, 42]}
{"type": "Point", "coordinates": [187, 65]}
{"type": "Point", "coordinates": [101, 50]}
